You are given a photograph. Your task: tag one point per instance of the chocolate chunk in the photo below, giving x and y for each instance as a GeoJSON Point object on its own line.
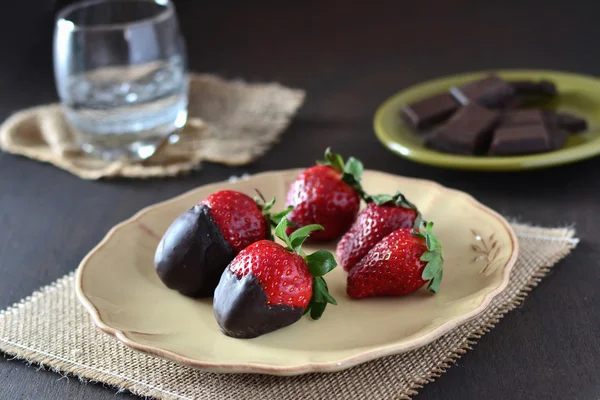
{"type": "Point", "coordinates": [558, 135]}
{"type": "Point", "coordinates": [241, 310]}
{"type": "Point", "coordinates": [491, 91]}
{"type": "Point", "coordinates": [468, 131]}
{"type": "Point", "coordinates": [543, 88]}
{"type": "Point", "coordinates": [558, 138]}
{"type": "Point", "coordinates": [426, 113]}
{"type": "Point", "coordinates": [571, 123]}
{"type": "Point", "coordinates": [514, 103]}
{"type": "Point", "coordinates": [523, 139]}
{"type": "Point", "coordinates": [192, 254]}
{"type": "Point", "coordinates": [523, 117]}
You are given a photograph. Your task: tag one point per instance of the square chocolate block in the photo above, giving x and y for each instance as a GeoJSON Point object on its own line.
{"type": "Point", "coordinates": [426, 113]}
{"type": "Point", "coordinates": [571, 123]}
{"type": "Point", "coordinates": [558, 138]}
{"type": "Point", "coordinates": [523, 117]}
{"type": "Point", "coordinates": [542, 88]}
{"type": "Point", "coordinates": [514, 103]}
{"type": "Point", "coordinates": [468, 131]}
{"type": "Point", "coordinates": [491, 91]}
{"type": "Point", "coordinates": [522, 139]}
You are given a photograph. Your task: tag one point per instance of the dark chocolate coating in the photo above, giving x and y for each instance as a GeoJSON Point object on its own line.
{"type": "Point", "coordinates": [571, 123]}
{"type": "Point", "coordinates": [523, 139]}
{"type": "Point", "coordinates": [468, 131]}
{"type": "Point", "coordinates": [543, 88]}
{"type": "Point", "coordinates": [192, 254]}
{"type": "Point", "coordinates": [426, 113]}
{"type": "Point", "coordinates": [491, 91]}
{"type": "Point", "coordinates": [240, 307]}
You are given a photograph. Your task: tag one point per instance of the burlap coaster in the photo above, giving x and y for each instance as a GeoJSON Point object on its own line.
{"type": "Point", "coordinates": [51, 328]}
{"type": "Point", "coordinates": [230, 122]}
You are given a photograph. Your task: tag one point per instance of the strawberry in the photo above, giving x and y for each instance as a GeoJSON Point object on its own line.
{"type": "Point", "coordinates": [196, 248]}
{"type": "Point", "coordinates": [268, 286]}
{"type": "Point", "coordinates": [399, 264]}
{"type": "Point", "coordinates": [383, 215]}
{"type": "Point", "coordinates": [239, 218]}
{"type": "Point", "coordinates": [327, 194]}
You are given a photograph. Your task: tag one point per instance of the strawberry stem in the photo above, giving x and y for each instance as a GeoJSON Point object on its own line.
{"type": "Point", "coordinates": [433, 271]}
{"type": "Point", "coordinates": [399, 200]}
{"type": "Point", "coordinates": [319, 264]}
{"type": "Point", "coordinates": [266, 206]}
{"type": "Point", "coordinates": [351, 170]}
{"type": "Point", "coordinates": [262, 199]}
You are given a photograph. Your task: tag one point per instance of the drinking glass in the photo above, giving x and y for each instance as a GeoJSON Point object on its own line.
{"type": "Point", "coordinates": [121, 75]}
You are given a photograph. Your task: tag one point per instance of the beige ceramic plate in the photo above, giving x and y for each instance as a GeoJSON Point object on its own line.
{"type": "Point", "coordinates": [117, 284]}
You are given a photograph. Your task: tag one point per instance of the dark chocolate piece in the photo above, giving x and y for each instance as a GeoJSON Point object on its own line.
{"type": "Point", "coordinates": [558, 135]}
{"type": "Point", "coordinates": [542, 88]}
{"type": "Point", "coordinates": [514, 103]}
{"type": "Point", "coordinates": [491, 91]}
{"type": "Point", "coordinates": [571, 123]}
{"type": "Point", "coordinates": [468, 131]}
{"type": "Point", "coordinates": [426, 113]}
{"type": "Point", "coordinates": [558, 138]}
{"type": "Point", "coordinates": [523, 117]}
{"type": "Point", "coordinates": [523, 139]}
{"type": "Point", "coordinates": [240, 307]}
{"type": "Point", "coordinates": [192, 254]}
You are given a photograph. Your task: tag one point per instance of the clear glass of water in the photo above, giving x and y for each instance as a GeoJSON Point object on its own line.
{"type": "Point", "coordinates": [121, 75]}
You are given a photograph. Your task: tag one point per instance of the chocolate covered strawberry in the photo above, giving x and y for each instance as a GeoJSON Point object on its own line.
{"type": "Point", "coordinates": [268, 286]}
{"type": "Point", "coordinates": [401, 263]}
{"type": "Point", "coordinates": [327, 194]}
{"type": "Point", "coordinates": [199, 244]}
{"type": "Point", "coordinates": [382, 215]}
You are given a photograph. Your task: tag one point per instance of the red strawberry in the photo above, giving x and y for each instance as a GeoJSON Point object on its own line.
{"type": "Point", "coordinates": [239, 218]}
{"type": "Point", "coordinates": [199, 244]}
{"type": "Point", "coordinates": [268, 286]}
{"type": "Point", "coordinates": [399, 264]}
{"type": "Point", "coordinates": [328, 194]}
{"type": "Point", "coordinates": [383, 215]}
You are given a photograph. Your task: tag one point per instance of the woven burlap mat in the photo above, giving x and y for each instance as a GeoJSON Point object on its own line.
{"type": "Point", "coordinates": [52, 329]}
{"type": "Point", "coordinates": [230, 122]}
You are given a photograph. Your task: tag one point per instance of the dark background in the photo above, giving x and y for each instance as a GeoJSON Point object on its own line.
{"type": "Point", "coordinates": [348, 56]}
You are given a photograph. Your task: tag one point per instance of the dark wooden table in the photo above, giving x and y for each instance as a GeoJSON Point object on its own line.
{"type": "Point", "coordinates": [348, 58]}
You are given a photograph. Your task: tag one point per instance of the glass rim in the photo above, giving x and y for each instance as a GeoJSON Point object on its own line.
{"type": "Point", "coordinates": [162, 15]}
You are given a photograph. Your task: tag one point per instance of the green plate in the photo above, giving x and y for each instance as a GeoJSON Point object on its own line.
{"type": "Point", "coordinates": [579, 94]}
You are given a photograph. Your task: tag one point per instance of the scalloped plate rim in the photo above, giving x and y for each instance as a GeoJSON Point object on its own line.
{"type": "Point", "coordinates": [307, 367]}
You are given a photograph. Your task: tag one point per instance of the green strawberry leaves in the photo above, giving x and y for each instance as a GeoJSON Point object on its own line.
{"type": "Point", "coordinates": [266, 206]}
{"type": "Point", "coordinates": [399, 200]}
{"type": "Point", "coordinates": [280, 232]}
{"type": "Point", "coordinates": [296, 240]}
{"type": "Point", "coordinates": [319, 264]}
{"type": "Point", "coordinates": [320, 298]}
{"type": "Point", "coordinates": [351, 170]}
{"type": "Point", "coordinates": [433, 271]}
{"type": "Point", "coordinates": [263, 204]}
{"type": "Point", "coordinates": [275, 219]}
{"type": "Point", "coordinates": [334, 160]}
{"type": "Point", "coordinates": [299, 236]}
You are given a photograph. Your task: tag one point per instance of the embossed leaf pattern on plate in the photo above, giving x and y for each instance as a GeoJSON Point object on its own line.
{"type": "Point", "coordinates": [486, 250]}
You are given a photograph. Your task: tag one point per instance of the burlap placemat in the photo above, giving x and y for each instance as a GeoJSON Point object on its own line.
{"type": "Point", "coordinates": [230, 122]}
{"type": "Point", "coordinates": [51, 328]}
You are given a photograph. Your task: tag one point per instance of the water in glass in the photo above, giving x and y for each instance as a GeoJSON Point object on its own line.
{"type": "Point", "coordinates": [127, 100]}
